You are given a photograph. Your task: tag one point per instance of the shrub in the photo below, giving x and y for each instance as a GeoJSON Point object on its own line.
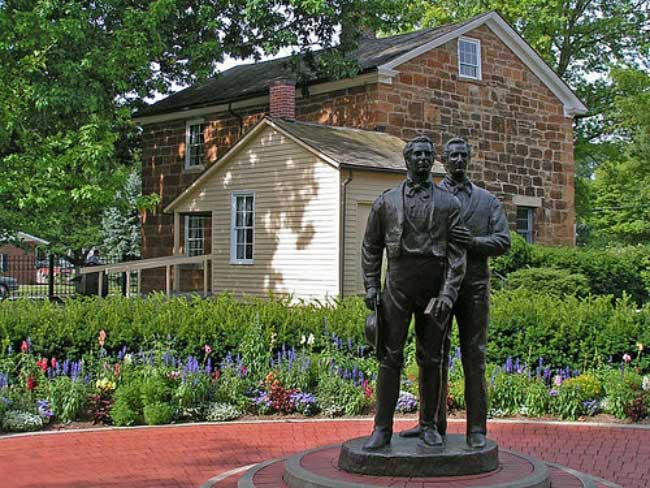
{"type": "Point", "coordinates": [573, 332]}
{"type": "Point", "coordinates": [67, 398]}
{"type": "Point", "coordinates": [537, 399]}
{"type": "Point", "coordinates": [507, 392]}
{"type": "Point", "coordinates": [20, 421]}
{"type": "Point", "coordinates": [551, 281]}
{"type": "Point", "coordinates": [575, 395]}
{"type": "Point", "coordinates": [127, 407]}
{"type": "Point", "coordinates": [221, 412]}
{"type": "Point", "coordinates": [621, 388]}
{"type": "Point", "coordinates": [609, 271]}
{"type": "Point", "coordinates": [519, 256]}
{"type": "Point", "coordinates": [158, 413]}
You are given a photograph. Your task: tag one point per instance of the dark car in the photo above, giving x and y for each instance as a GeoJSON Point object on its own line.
{"type": "Point", "coordinates": [7, 285]}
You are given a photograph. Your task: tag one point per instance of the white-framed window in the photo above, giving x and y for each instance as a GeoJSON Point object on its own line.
{"type": "Point", "coordinates": [525, 223]}
{"type": "Point", "coordinates": [469, 58]}
{"type": "Point", "coordinates": [194, 235]}
{"type": "Point", "coordinates": [194, 144]}
{"type": "Point", "coordinates": [242, 225]}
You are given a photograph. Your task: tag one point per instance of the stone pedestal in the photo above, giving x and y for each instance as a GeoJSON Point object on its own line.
{"type": "Point", "coordinates": [412, 458]}
{"type": "Point", "coordinates": [319, 468]}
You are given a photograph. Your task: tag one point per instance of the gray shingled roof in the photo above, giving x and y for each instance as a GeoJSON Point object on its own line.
{"type": "Point", "coordinates": [356, 148]}
{"type": "Point", "coordinates": [251, 80]}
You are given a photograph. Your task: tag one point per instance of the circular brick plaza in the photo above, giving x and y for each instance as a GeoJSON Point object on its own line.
{"type": "Point", "coordinates": [195, 455]}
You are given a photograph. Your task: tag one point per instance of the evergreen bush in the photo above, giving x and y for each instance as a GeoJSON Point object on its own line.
{"type": "Point", "coordinates": [558, 282]}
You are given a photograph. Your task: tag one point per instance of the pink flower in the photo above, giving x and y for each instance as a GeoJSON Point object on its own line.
{"type": "Point", "coordinates": [207, 349]}
{"type": "Point", "coordinates": [53, 363]}
{"type": "Point", "coordinates": [557, 381]}
{"type": "Point", "coordinates": [102, 338]}
{"type": "Point", "coordinates": [627, 358]}
{"type": "Point", "coordinates": [24, 347]}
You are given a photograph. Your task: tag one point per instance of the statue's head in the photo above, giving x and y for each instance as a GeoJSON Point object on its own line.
{"type": "Point", "coordinates": [418, 155]}
{"type": "Point", "coordinates": [456, 156]}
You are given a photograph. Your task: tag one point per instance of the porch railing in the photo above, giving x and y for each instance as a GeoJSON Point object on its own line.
{"type": "Point", "coordinates": [170, 263]}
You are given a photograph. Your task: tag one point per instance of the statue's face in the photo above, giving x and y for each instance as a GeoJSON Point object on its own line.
{"type": "Point", "coordinates": [457, 160]}
{"type": "Point", "coordinates": [420, 161]}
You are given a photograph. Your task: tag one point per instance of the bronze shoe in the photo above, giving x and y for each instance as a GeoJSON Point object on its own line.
{"type": "Point", "coordinates": [476, 440]}
{"type": "Point", "coordinates": [431, 437]}
{"type": "Point", "coordinates": [412, 432]}
{"type": "Point", "coordinates": [378, 439]}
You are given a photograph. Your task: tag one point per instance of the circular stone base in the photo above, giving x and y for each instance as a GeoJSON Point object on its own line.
{"type": "Point", "coordinates": [411, 457]}
{"type": "Point", "coordinates": [270, 475]}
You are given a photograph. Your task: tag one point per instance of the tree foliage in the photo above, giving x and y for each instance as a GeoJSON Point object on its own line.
{"type": "Point", "coordinates": [621, 189]}
{"type": "Point", "coordinates": [73, 72]}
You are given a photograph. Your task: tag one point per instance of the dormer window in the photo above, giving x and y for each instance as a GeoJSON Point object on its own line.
{"type": "Point", "coordinates": [469, 58]}
{"type": "Point", "coordinates": [194, 144]}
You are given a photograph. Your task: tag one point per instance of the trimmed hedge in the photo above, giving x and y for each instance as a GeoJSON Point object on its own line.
{"type": "Point", "coordinates": [557, 282]}
{"type": "Point", "coordinates": [566, 331]}
{"type": "Point", "coordinates": [612, 271]}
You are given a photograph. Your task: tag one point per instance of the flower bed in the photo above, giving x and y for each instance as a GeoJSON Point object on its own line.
{"type": "Point", "coordinates": [324, 374]}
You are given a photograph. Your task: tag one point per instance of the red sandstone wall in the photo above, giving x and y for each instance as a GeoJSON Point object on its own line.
{"type": "Point", "coordinates": [522, 142]}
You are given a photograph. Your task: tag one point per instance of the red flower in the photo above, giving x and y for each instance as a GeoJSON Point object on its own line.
{"type": "Point", "coordinates": [24, 347]}
{"type": "Point", "coordinates": [31, 383]}
{"type": "Point", "coordinates": [216, 375]}
{"type": "Point", "coordinates": [42, 364]}
{"type": "Point", "coordinates": [367, 389]}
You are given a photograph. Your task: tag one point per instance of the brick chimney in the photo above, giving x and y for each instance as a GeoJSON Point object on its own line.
{"type": "Point", "coordinates": [282, 96]}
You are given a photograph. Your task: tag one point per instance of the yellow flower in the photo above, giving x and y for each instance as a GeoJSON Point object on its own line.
{"type": "Point", "coordinates": [639, 346]}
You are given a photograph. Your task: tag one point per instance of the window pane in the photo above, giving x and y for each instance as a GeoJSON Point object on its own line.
{"type": "Point", "coordinates": [249, 251]}
{"type": "Point", "coordinates": [249, 204]}
{"type": "Point", "coordinates": [240, 204]}
{"type": "Point", "coordinates": [249, 219]}
{"type": "Point", "coordinates": [241, 235]}
{"type": "Point", "coordinates": [240, 251]}
{"type": "Point", "coordinates": [239, 220]}
{"type": "Point", "coordinates": [249, 236]}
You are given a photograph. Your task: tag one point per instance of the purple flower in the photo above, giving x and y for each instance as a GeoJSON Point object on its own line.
{"type": "Point", "coordinates": [44, 408]}
{"type": "Point", "coordinates": [4, 380]}
{"type": "Point", "coordinates": [553, 392]}
{"type": "Point", "coordinates": [406, 402]}
{"type": "Point", "coordinates": [121, 354]}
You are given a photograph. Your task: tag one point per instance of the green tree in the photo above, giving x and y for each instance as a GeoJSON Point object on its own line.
{"type": "Point", "coordinates": [72, 73]}
{"type": "Point", "coordinates": [121, 224]}
{"type": "Point", "coordinates": [621, 188]}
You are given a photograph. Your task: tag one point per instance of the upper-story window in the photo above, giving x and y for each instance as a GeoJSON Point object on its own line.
{"type": "Point", "coordinates": [194, 235]}
{"type": "Point", "coordinates": [525, 223]}
{"type": "Point", "coordinates": [194, 141]}
{"type": "Point", "coordinates": [469, 58]}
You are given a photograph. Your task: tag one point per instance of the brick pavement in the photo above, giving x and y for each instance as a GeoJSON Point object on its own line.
{"type": "Point", "coordinates": [187, 456]}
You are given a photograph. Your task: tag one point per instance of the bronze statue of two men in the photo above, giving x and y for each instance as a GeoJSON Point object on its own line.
{"type": "Point", "coordinates": [437, 239]}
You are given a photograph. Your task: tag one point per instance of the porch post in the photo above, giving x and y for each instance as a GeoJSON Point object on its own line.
{"type": "Point", "coordinates": [168, 276]}
{"type": "Point", "coordinates": [205, 276]}
{"type": "Point", "coordinates": [177, 247]}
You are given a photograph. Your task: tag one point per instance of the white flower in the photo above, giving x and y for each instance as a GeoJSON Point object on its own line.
{"type": "Point", "coordinates": [128, 358]}
{"type": "Point", "coordinates": [646, 383]}
{"type": "Point", "coordinates": [311, 339]}
{"type": "Point", "coordinates": [303, 339]}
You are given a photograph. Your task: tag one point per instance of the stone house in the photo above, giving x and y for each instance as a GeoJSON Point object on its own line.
{"type": "Point", "coordinates": [478, 79]}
